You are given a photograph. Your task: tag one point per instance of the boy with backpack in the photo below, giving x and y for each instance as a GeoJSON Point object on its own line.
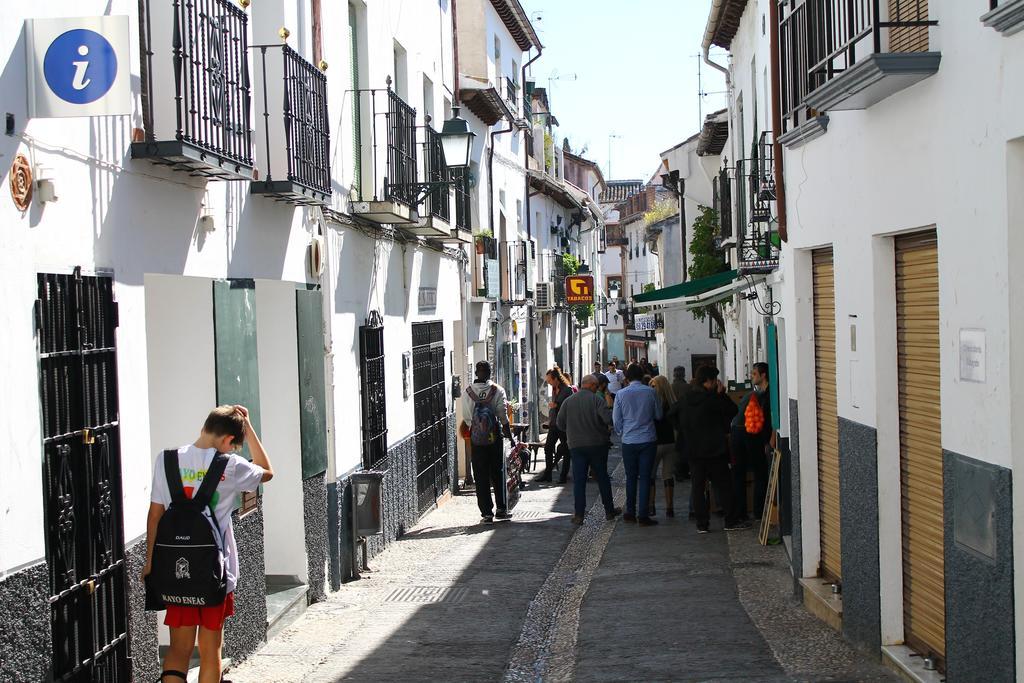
{"type": "Point", "coordinates": [484, 415]}
{"type": "Point", "coordinates": [192, 559]}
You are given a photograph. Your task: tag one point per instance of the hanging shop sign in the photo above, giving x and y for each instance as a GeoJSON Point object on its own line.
{"type": "Point", "coordinates": [644, 322]}
{"type": "Point", "coordinates": [78, 67]}
{"type": "Point", "coordinates": [579, 289]}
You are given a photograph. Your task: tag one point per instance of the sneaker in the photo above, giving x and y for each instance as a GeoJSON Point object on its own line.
{"type": "Point", "coordinates": [544, 477]}
{"type": "Point", "coordinates": [487, 519]}
{"type": "Point", "coordinates": [737, 526]}
{"type": "Point", "coordinates": [577, 520]}
{"type": "Point", "coordinates": [702, 530]}
{"type": "Point", "coordinates": [629, 517]}
{"type": "Point", "coordinates": [647, 521]}
{"type": "Point", "coordinates": [503, 514]}
{"type": "Point", "coordinates": [613, 513]}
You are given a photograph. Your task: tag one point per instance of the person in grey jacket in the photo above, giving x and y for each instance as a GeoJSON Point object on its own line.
{"type": "Point", "coordinates": [586, 419]}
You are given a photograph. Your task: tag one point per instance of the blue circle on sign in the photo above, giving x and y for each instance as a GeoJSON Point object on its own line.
{"type": "Point", "coordinates": [80, 66]}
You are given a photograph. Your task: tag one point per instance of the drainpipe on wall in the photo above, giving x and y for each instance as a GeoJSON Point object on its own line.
{"type": "Point", "coordinates": [780, 182]}
{"type": "Point", "coordinates": [531, 311]}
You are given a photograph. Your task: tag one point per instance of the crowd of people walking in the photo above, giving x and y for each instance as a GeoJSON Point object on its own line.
{"type": "Point", "coordinates": [668, 430]}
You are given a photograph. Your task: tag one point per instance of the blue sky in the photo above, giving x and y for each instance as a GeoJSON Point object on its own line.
{"type": "Point", "coordinates": [636, 76]}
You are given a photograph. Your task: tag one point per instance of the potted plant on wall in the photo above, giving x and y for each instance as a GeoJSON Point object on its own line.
{"type": "Point", "coordinates": [481, 241]}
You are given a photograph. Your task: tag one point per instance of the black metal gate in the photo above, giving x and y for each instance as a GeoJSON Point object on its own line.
{"type": "Point", "coordinates": [431, 413]}
{"type": "Point", "coordinates": [76, 318]}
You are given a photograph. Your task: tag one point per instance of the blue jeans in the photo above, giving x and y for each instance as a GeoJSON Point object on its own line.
{"type": "Point", "coordinates": [638, 461]}
{"type": "Point", "coordinates": [583, 459]}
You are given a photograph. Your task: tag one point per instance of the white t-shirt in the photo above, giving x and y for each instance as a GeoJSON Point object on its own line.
{"type": "Point", "coordinates": [615, 380]}
{"type": "Point", "coordinates": [239, 475]}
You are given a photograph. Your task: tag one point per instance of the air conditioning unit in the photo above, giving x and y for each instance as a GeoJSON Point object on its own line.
{"type": "Point", "coordinates": [544, 296]}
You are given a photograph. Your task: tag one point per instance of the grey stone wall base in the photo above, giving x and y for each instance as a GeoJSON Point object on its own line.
{"type": "Point", "coordinates": [858, 525]}
{"type": "Point", "coordinates": [980, 635]}
{"type": "Point", "coordinates": [794, 491]}
{"type": "Point", "coordinates": [143, 643]}
{"type": "Point", "coordinates": [314, 499]}
{"type": "Point", "coordinates": [25, 642]}
{"type": "Point", "coordinates": [244, 632]}
{"type": "Point", "coordinates": [339, 519]}
{"type": "Point", "coordinates": [399, 502]}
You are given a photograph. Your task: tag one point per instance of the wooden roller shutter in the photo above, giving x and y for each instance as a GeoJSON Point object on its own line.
{"type": "Point", "coordinates": [908, 38]}
{"type": "Point", "coordinates": [827, 416]}
{"type": "Point", "coordinates": [917, 345]}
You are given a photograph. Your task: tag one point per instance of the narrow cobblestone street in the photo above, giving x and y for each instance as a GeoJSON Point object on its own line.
{"type": "Point", "coordinates": [538, 599]}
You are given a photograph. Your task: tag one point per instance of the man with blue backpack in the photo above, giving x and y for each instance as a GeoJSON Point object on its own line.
{"type": "Point", "coordinates": [485, 417]}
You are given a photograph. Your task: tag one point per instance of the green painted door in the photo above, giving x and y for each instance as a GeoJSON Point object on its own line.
{"type": "Point", "coordinates": [312, 391]}
{"type": "Point", "coordinates": [237, 363]}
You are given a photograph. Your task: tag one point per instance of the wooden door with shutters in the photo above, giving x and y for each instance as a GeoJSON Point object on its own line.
{"type": "Point", "coordinates": [917, 347]}
{"type": "Point", "coordinates": [827, 415]}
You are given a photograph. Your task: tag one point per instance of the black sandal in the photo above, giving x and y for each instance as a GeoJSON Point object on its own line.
{"type": "Point", "coordinates": [171, 672]}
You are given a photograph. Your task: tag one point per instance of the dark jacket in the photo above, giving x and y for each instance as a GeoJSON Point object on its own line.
{"type": "Point", "coordinates": [665, 427]}
{"type": "Point", "coordinates": [681, 389]}
{"type": "Point", "coordinates": [564, 392]}
{"type": "Point", "coordinates": [764, 398]}
{"type": "Point", "coordinates": [705, 418]}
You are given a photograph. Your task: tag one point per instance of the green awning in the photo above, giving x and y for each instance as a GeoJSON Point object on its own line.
{"type": "Point", "coordinates": [685, 290]}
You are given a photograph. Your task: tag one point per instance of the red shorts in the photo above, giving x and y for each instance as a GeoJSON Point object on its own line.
{"type": "Point", "coordinates": [210, 618]}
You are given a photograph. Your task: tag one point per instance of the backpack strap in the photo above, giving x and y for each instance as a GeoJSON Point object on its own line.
{"type": "Point", "coordinates": [173, 476]}
{"type": "Point", "coordinates": [211, 480]}
{"type": "Point", "coordinates": [471, 393]}
{"type": "Point", "coordinates": [490, 394]}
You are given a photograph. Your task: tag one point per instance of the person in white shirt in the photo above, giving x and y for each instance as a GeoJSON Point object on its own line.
{"type": "Point", "coordinates": [616, 379]}
{"type": "Point", "coordinates": [226, 429]}
{"type": "Point", "coordinates": [485, 397]}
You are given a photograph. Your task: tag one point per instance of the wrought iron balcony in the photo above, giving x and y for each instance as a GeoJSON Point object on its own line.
{"type": "Point", "coordinates": [202, 126]}
{"type": "Point", "coordinates": [436, 219]}
{"type": "Point", "coordinates": [759, 242]}
{"type": "Point", "coordinates": [294, 140]}
{"type": "Point", "coordinates": [512, 96]}
{"type": "Point", "coordinates": [388, 195]}
{"type": "Point", "coordinates": [486, 275]}
{"type": "Point", "coordinates": [848, 54]}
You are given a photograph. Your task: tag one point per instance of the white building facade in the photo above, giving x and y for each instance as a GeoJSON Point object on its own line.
{"type": "Point", "coordinates": [248, 233]}
{"type": "Point", "coordinates": [897, 344]}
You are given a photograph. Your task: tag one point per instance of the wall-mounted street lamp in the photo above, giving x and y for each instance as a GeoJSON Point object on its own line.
{"type": "Point", "coordinates": [457, 141]}
{"type": "Point", "coordinates": [457, 149]}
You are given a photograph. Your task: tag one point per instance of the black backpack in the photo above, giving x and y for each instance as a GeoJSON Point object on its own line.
{"type": "Point", "coordinates": [188, 556]}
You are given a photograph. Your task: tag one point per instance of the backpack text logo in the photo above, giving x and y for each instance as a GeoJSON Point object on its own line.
{"type": "Point", "coordinates": [181, 569]}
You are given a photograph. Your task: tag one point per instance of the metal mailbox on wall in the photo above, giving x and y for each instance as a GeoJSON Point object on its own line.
{"type": "Point", "coordinates": [367, 490]}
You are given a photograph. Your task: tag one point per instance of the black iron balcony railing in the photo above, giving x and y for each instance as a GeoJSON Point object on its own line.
{"type": "Point", "coordinates": [822, 39]}
{"type": "Point", "coordinates": [512, 95]}
{"type": "Point", "coordinates": [294, 141]}
{"type": "Point", "coordinates": [463, 206]}
{"type": "Point", "coordinates": [201, 47]}
{"type": "Point", "coordinates": [759, 244]}
{"type": "Point", "coordinates": [438, 201]}
{"type": "Point", "coordinates": [305, 120]}
{"type": "Point", "coordinates": [401, 149]}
